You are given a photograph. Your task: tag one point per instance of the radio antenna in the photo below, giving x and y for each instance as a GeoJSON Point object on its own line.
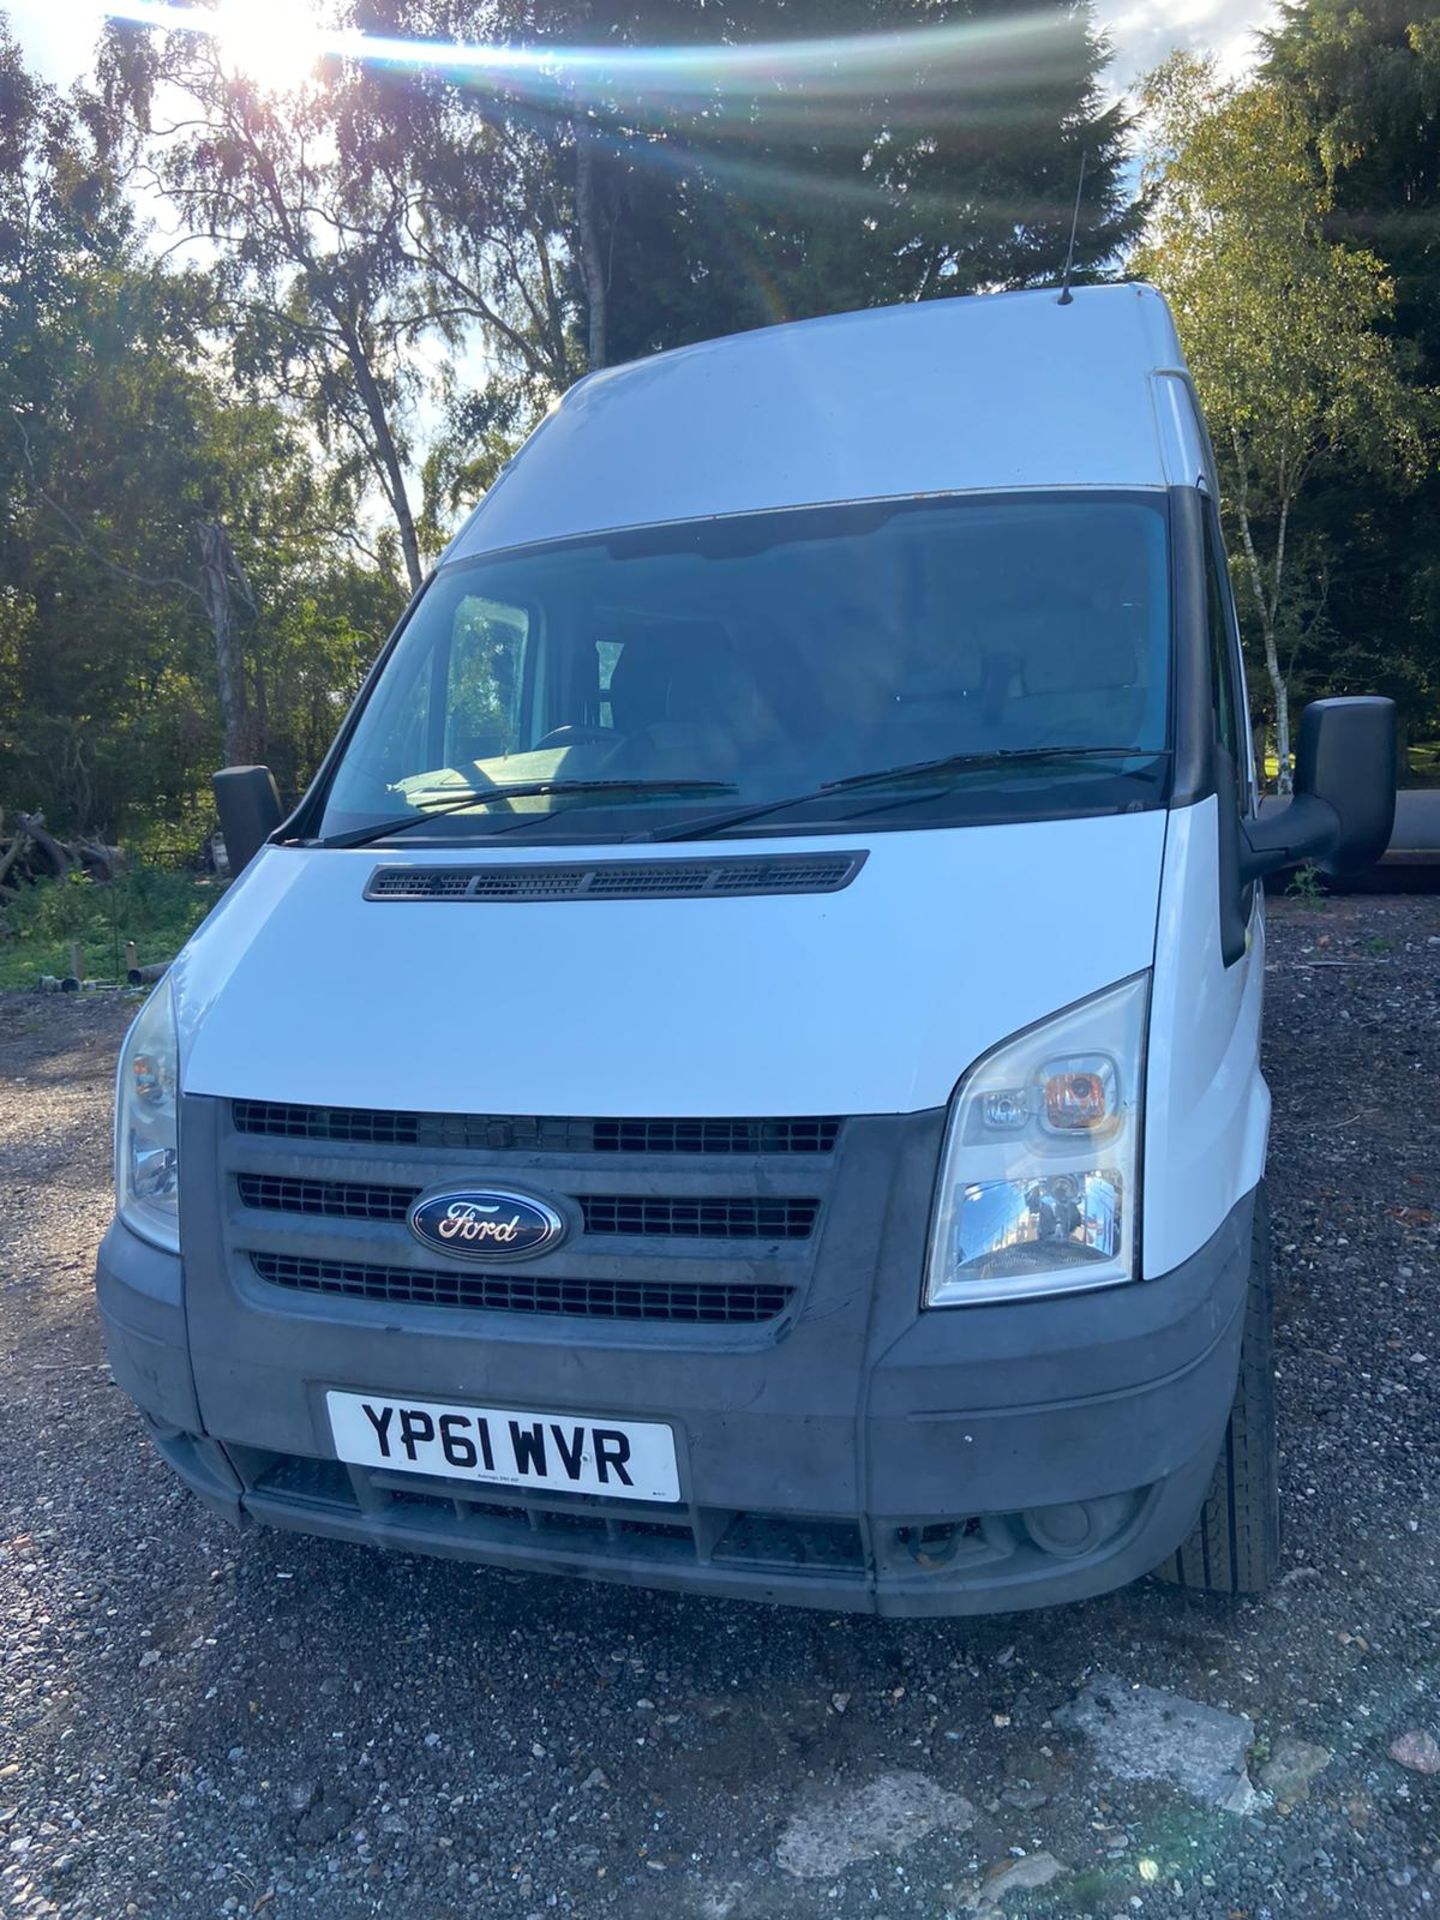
{"type": "Point", "coordinates": [1065, 294]}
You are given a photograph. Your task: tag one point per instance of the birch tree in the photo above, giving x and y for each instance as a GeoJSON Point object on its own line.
{"type": "Point", "coordinates": [1284, 331]}
{"type": "Point", "coordinates": [318, 299]}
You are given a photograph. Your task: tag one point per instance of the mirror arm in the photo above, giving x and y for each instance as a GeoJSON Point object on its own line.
{"type": "Point", "coordinates": [1305, 830]}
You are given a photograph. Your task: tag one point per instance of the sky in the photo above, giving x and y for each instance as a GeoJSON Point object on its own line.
{"type": "Point", "coordinates": [1143, 32]}
{"type": "Point", "coordinates": [58, 38]}
{"type": "Point", "coordinates": [57, 35]}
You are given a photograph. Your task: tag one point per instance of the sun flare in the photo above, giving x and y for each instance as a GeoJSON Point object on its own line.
{"type": "Point", "coordinates": [275, 43]}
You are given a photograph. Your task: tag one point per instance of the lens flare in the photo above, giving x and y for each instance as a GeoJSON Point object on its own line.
{"type": "Point", "coordinates": [966, 58]}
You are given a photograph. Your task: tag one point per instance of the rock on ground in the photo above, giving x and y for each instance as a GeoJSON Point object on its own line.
{"type": "Point", "coordinates": [1292, 1765]}
{"type": "Point", "coordinates": [1013, 1876]}
{"type": "Point", "coordinates": [1418, 1751]}
{"type": "Point", "coordinates": [1142, 1733]}
{"type": "Point", "coordinates": [889, 1815]}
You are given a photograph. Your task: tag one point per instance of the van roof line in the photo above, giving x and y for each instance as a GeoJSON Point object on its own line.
{"type": "Point", "coordinates": [983, 392]}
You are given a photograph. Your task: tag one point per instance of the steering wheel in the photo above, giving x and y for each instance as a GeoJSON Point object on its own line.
{"type": "Point", "coordinates": [575, 735]}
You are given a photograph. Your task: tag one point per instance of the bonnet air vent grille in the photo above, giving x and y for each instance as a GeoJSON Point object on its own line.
{"type": "Point", "coordinates": [436, 883]}
{"type": "Point", "coordinates": [505, 1133]}
{"type": "Point", "coordinates": [621, 879]}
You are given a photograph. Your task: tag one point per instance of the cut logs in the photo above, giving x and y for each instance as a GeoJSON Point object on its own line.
{"type": "Point", "coordinates": [29, 851]}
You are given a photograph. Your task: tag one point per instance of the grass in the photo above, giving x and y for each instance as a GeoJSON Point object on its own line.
{"type": "Point", "coordinates": [155, 909]}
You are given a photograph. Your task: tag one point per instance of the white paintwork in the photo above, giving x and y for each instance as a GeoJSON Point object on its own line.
{"type": "Point", "coordinates": [1207, 1111]}
{"type": "Point", "coordinates": [1189, 459]}
{"type": "Point", "coordinates": [871, 1000]}
{"type": "Point", "coordinates": [996, 391]}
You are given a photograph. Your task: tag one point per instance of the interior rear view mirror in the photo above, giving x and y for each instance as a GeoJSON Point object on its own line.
{"type": "Point", "coordinates": [1343, 808]}
{"type": "Point", "coordinates": [249, 806]}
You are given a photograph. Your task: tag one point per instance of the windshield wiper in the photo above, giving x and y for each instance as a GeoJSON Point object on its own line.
{"type": "Point", "coordinates": [382, 829]}
{"type": "Point", "coordinates": [883, 776]}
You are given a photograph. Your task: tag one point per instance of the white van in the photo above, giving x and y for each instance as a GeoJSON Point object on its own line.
{"type": "Point", "coordinates": [741, 1073]}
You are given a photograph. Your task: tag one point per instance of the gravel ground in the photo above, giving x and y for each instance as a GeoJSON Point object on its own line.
{"type": "Point", "coordinates": [197, 1723]}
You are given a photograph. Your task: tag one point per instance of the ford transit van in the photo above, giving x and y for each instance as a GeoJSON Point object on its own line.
{"type": "Point", "coordinates": [741, 1073]}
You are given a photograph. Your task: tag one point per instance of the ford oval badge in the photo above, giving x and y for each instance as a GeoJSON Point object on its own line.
{"type": "Point", "coordinates": [485, 1223]}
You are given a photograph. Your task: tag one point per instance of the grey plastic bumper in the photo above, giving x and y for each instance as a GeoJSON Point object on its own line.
{"type": "Point", "coordinates": [1003, 1456]}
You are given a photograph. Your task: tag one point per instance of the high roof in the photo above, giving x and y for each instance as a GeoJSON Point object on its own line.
{"type": "Point", "coordinates": [993, 391]}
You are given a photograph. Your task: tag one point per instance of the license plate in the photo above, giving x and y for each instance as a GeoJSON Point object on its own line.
{"type": "Point", "coordinates": [561, 1452]}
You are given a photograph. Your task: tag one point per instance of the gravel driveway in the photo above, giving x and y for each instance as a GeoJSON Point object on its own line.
{"type": "Point", "coordinates": [197, 1723]}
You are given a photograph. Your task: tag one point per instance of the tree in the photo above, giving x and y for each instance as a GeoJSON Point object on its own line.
{"type": "Point", "coordinates": [882, 151]}
{"type": "Point", "coordinates": [127, 463]}
{"type": "Point", "coordinates": [1365, 82]}
{"type": "Point", "coordinates": [306, 215]}
{"type": "Point", "coordinates": [1282, 328]}
{"type": "Point", "coordinates": [658, 182]}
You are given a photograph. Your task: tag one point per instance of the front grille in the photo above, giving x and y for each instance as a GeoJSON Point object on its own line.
{"type": "Point", "coordinates": [700, 1219]}
{"type": "Point", "coordinates": [727, 1302]}
{"type": "Point", "coordinates": [335, 1199]}
{"type": "Point", "coordinates": [768, 1539]}
{"type": "Point", "coordinates": [604, 1213]}
{"type": "Point", "coordinates": [499, 1515]}
{"type": "Point", "coordinates": [501, 1133]}
{"type": "Point", "coordinates": [620, 879]}
{"type": "Point", "coordinates": [326, 1123]}
{"type": "Point", "coordinates": [714, 1136]}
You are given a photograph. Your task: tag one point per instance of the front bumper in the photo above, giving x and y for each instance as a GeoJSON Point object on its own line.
{"type": "Point", "coordinates": [981, 1459]}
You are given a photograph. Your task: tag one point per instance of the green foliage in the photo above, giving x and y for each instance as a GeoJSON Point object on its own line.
{"type": "Point", "coordinates": [1365, 84]}
{"type": "Point", "coordinates": [1282, 328]}
{"type": "Point", "coordinates": [1304, 886]}
{"type": "Point", "coordinates": [156, 909]}
{"type": "Point", "coordinates": [1286, 332]}
{"type": "Point", "coordinates": [815, 191]}
{"type": "Point", "coordinates": [307, 207]}
{"type": "Point", "coordinates": [610, 209]}
{"type": "Point", "coordinates": [120, 438]}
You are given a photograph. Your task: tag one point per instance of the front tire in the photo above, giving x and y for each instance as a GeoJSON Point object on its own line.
{"type": "Point", "coordinates": [1234, 1546]}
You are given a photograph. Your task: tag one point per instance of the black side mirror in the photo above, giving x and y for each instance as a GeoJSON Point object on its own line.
{"type": "Point", "coordinates": [249, 805]}
{"type": "Point", "coordinates": [1343, 809]}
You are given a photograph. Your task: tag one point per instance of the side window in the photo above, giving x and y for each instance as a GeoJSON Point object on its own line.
{"type": "Point", "coordinates": [1224, 685]}
{"type": "Point", "coordinates": [488, 650]}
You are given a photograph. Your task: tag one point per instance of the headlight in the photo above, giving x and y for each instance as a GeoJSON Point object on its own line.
{"type": "Point", "coordinates": [147, 1167]}
{"type": "Point", "coordinates": [1040, 1177]}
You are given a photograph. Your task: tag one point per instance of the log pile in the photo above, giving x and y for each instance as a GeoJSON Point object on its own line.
{"type": "Point", "coordinates": [29, 851]}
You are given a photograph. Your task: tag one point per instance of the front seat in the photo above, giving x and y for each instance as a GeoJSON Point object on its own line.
{"type": "Point", "coordinates": [1082, 678]}
{"type": "Point", "coordinates": [685, 702]}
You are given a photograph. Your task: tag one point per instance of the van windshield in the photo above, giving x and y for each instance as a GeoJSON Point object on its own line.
{"type": "Point", "coordinates": [649, 682]}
